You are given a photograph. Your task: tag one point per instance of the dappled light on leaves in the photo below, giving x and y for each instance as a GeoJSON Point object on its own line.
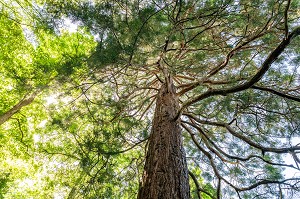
{"type": "Point", "coordinates": [208, 90]}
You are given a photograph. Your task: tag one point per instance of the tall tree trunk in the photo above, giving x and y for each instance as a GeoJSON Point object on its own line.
{"type": "Point", "coordinates": [165, 172]}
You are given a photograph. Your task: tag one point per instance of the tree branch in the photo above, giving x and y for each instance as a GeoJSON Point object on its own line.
{"type": "Point", "coordinates": [199, 189]}
{"type": "Point", "coordinates": [206, 140]}
{"type": "Point", "coordinates": [286, 27]}
{"type": "Point", "coordinates": [218, 175]}
{"type": "Point", "coordinates": [232, 156]}
{"type": "Point", "coordinates": [139, 32]}
{"type": "Point", "coordinates": [245, 139]}
{"type": "Point", "coordinates": [262, 182]}
{"type": "Point", "coordinates": [196, 183]}
{"type": "Point", "coordinates": [24, 102]}
{"type": "Point", "coordinates": [291, 97]}
{"type": "Point", "coordinates": [122, 151]}
{"type": "Point", "coordinates": [265, 67]}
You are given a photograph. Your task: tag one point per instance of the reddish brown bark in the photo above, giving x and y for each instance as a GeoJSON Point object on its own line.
{"type": "Point", "coordinates": [165, 172]}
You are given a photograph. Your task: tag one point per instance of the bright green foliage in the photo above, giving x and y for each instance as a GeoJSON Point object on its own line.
{"type": "Point", "coordinates": [32, 60]}
{"type": "Point", "coordinates": [15, 57]}
{"type": "Point", "coordinates": [89, 141]}
{"type": "Point", "coordinates": [4, 179]}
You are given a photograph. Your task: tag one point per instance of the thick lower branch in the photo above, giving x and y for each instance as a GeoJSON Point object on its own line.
{"type": "Point", "coordinates": [265, 67]}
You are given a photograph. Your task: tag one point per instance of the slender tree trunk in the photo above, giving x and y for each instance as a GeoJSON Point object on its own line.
{"type": "Point", "coordinates": [165, 172]}
{"type": "Point", "coordinates": [24, 102]}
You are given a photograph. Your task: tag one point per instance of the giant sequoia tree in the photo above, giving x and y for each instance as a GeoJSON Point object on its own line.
{"type": "Point", "coordinates": [210, 90]}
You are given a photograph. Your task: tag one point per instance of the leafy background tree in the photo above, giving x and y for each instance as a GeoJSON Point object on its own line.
{"type": "Point", "coordinates": [234, 65]}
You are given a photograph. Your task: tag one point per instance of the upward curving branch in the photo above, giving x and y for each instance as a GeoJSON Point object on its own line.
{"type": "Point", "coordinates": [24, 102]}
{"type": "Point", "coordinates": [261, 72]}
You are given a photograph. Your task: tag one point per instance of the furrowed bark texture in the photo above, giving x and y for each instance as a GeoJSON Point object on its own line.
{"type": "Point", "coordinates": [165, 172]}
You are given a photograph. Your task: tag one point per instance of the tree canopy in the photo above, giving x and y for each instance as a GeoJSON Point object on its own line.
{"type": "Point", "coordinates": [76, 108]}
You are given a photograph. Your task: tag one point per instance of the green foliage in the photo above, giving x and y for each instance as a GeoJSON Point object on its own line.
{"type": "Point", "coordinates": [84, 134]}
{"type": "Point", "coordinates": [4, 179]}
